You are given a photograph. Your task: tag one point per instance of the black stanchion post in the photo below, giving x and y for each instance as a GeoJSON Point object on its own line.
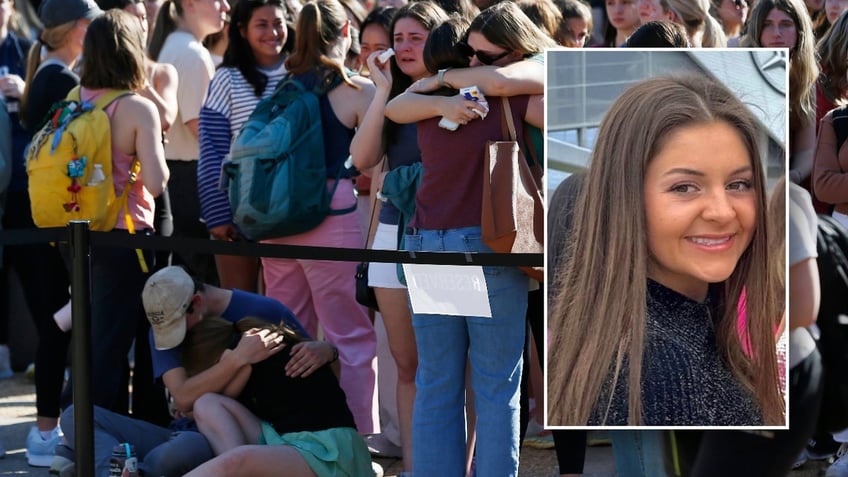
{"type": "Point", "coordinates": [79, 235]}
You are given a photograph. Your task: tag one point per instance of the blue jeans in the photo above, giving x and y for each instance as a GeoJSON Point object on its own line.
{"type": "Point", "coordinates": [494, 348]}
{"type": "Point", "coordinates": [638, 453]}
{"type": "Point", "coordinates": [160, 451]}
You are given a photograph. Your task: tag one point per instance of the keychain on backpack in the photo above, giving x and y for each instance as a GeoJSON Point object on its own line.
{"type": "Point", "coordinates": [76, 167]}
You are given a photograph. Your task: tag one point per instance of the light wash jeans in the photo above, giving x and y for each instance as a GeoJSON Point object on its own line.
{"type": "Point", "coordinates": [494, 348]}
{"type": "Point", "coordinates": [638, 453]}
{"type": "Point", "coordinates": [160, 451]}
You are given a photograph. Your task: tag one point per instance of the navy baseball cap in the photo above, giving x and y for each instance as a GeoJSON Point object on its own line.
{"type": "Point", "coordinates": [53, 13]}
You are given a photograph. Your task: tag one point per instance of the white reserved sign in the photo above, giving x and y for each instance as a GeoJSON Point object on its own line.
{"type": "Point", "coordinates": [447, 290]}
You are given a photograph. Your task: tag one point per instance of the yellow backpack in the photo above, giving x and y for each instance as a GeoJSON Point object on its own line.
{"type": "Point", "coordinates": [69, 165]}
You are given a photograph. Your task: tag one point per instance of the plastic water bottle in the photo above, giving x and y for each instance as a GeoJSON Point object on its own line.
{"type": "Point", "coordinates": [97, 175]}
{"type": "Point", "coordinates": [123, 462]}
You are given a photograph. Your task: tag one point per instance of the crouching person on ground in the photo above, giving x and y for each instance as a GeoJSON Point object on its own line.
{"type": "Point", "coordinates": [279, 413]}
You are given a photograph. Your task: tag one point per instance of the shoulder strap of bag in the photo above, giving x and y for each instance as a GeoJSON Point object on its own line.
{"type": "Point", "coordinates": [534, 165]}
{"type": "Point", "coordinates": [374, 199]}
{"type": "Point", "coordinates": [507, 111]}
{"type": "Point", "coordinates": [103, 101]}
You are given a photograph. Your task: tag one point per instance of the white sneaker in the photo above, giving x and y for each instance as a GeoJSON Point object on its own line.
{"type": "Point", "coordinates": [840, 467]}
{"type": "Point", "coordinates": [377, 468]}
{"type": "Point", "coordinates": [40, 452]}
{"type": "Point", "coordinates": [534, 428]}
{"type": "Point", "coordinates": [5, 363]}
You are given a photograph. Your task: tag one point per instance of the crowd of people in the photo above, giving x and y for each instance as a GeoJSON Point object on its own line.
{"type": "Point", "coordinates": [245, 365]}
{"type": "Point", "coordinates": [221, 413]}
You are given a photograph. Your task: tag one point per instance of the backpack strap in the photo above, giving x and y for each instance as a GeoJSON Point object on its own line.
{"type": "Point", "coordinates": [329, 83]}
{"type": "Point", "coordinates": [102, 102]}
{"type": "Point", "coordinates": [321, 89]}
{"type": "Point", "coordinates": [135, 169]}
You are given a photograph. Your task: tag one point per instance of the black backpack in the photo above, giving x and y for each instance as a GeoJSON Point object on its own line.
{"type": "Point", "coordinates": [832, 321]}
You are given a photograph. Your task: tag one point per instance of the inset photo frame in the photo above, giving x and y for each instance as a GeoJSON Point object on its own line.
{"type": "Point", "coordinates": [665, 258]}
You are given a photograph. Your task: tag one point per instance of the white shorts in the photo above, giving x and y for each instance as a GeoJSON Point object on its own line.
{"type": "Point", "coordinates": [384, 275]}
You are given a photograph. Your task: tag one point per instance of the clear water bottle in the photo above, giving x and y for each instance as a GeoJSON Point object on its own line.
{"type": "Point", "coordinates": [97, 175]}
{"type": "Point", "coordinates": [123, 462]}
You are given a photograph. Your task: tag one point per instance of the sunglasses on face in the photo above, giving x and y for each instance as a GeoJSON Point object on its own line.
{"type": "Point", "coordinates": [482, 56]}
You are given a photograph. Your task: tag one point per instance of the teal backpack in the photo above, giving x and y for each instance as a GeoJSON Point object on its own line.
{"type": "Point", "coordinates": [276, 175]}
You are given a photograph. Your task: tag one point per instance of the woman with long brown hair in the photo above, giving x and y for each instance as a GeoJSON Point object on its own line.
{"type": "Point", "coordinates": [786, 24]}
{"type": "Point", "coordinates": [668, 239]}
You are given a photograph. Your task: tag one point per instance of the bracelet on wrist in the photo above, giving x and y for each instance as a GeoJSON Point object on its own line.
{"type": "Point", "coordinates": [440, 77]}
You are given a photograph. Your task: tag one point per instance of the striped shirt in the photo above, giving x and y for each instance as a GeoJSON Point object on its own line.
{"type": "Point", "coordinates": [229, 103]}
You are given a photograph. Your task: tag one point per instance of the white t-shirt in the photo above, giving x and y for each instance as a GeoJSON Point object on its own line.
{"type": "Point", "coordinates": [194, 69]}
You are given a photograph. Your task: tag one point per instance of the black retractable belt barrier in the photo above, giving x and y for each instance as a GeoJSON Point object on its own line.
{"type": "Point", "coordinates": [242, 248]}
{"type": "Point", "coordinates": [80, 238]}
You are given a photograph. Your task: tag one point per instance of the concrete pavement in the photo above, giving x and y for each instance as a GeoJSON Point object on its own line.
{"type": "Point", "coordinates": [17, 415]}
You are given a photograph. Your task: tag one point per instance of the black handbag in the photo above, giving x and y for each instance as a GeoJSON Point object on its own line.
{"type": "Point", "coordinates": [365, 294]}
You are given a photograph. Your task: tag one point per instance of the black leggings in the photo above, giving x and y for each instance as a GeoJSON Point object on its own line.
{"type": "Point", "coordinates": [185, 210]}
{"type": "Point", "coordinates": [45, 282]}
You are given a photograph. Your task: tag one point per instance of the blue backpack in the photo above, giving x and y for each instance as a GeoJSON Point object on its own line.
{"type": "Point", "coordinates": [276, 175]}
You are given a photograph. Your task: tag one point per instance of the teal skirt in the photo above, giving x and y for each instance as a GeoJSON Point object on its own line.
{"type": "Point", "coordinates": [336, 452]}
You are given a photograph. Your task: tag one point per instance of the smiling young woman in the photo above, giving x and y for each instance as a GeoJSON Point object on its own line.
{"type": "Point", "coordinates": [699, 207]}
{"type": "Point", "coordinates": [672, 228]}
{"type": "Point", "coordinates": [251, 69]}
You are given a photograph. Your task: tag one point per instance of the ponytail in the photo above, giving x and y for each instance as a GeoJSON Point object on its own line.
{"type": "Point", "coordinates": [714, 36]}
{"type": "Point", "coordinates": [33, 62]}
{"type": "Point", "coordinates": [166, 23]}
{"type": "Point", "coordinates": [319, 26]}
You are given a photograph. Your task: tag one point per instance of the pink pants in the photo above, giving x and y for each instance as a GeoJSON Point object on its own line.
{"type": "Point", "coordinates": [323, 292]}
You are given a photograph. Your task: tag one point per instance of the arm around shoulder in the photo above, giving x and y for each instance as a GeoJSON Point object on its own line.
{"type": "Point", "coordinates": [521, 77]}
{"type": "Point", "coordinates": [185, 390]}
{"type": "Point", "coordinates": [411, 107]}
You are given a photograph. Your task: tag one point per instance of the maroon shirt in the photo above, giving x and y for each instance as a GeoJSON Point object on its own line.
{"type": "Point", "coordinates": [451, 190]}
